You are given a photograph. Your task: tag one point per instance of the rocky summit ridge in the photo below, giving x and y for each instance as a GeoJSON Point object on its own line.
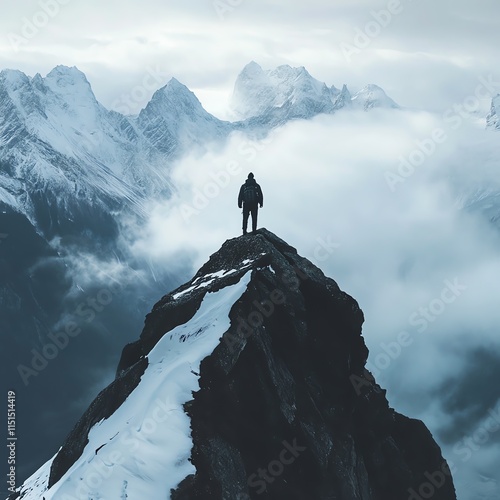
{"type": "Point", "coordinates": [247, 382]}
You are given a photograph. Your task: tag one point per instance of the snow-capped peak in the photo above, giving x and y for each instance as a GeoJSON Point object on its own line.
{"type": "Point", "coordinates": [174, 108]}
{"type": "Point", "coordinates": [372, 96]}
{"type": "Point", "coordinates": [275, 96]}
{"type": "Point", "coordinates": [177, 97]}
{"type": "Point", "coordinates": [13, 78]}
{"type": "Point", "coordinates": [252, 69]}
{"type": "Point", "coordinates": [292, 90]}
{"type": "Point", "coordinates": [67, 81]}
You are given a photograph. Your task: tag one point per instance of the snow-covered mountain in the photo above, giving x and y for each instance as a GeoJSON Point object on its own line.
{"type": "Point", "coordinates": [372, 96]}
{"type": "Point", "coordinates": [258, 92]}
{"type": "Point", "coordinates": [256, 364]}
{"type": "Point", "coordinates": [278, 95]}
{"type": "Point", "coordinates": [63, 155]}
{"type": "Point", "coordinates": [56, 138]}
{"type": "Point", "coordinates": [175, 120]}
{"type": "Point", "coordinates": [492, 119]}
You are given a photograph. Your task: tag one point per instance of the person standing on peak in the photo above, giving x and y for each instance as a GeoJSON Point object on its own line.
{"type": "Point", "coordinates": [250, 197]}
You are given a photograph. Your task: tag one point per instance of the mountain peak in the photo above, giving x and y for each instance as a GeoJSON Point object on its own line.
{"type": "Point", "coordinates": [62, 69]}
{"type": "Point", "coordinates": [70, 84]}
{"type": "Point", "coordinates": [259, 357]}
{"type": "Point", "coordinates": [174, 118]}
{"type": "Point", "coordinates": [252, 68]}
{"type": "Point", "coordinates": [373, 96]}
{"type": "Point", "coordinates": [175, 84]}
{"type": "Point", "coordinates": [174, 89]}
{"type": "Point", "coordinates": [283, 93]}
{"type": "Point", "coordinates": [273, 97]}
{"type": "Point", "coordinates": [13, 78]}
{"type": "Point", "coordinates": [65, 75]}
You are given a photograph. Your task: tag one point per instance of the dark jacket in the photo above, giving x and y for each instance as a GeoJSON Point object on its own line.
{"type": "Point", "coordinates": [260, 196]}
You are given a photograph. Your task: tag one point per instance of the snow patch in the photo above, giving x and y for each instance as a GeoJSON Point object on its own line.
{"type": "Point", "coordinates": [143, 449]}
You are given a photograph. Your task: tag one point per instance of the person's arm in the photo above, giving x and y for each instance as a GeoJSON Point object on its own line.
{"type": "Point", "coordinates": [240, 197]}
{"type": "Point", "coordinates": [261, 196]}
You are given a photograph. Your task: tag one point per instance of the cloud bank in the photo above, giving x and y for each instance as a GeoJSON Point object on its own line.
{"type": "Point", "coordinates": [420, 262]}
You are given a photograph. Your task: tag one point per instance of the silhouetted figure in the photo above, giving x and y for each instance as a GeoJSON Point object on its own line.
{"type": "Point", "coordinates": [250, 198]}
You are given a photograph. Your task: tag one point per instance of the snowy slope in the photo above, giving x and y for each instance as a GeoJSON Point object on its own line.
{"type": "Point", "coordinates": [56, 138]}
{"type": "Point", "coordinates": [143, 449]}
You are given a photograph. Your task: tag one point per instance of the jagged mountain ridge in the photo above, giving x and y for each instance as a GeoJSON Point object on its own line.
{"type": "Point", "coordinates": [58, 143]}
{"type": "Point", "coordinates": [251, 393]}
{"type": "Point", "coordinates": [285, 93]}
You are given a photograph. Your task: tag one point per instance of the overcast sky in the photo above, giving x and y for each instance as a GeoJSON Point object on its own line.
{"type": "Point", "coordinates": [425, 54]}
{"type": "Point", "coordinates": [429, 56]}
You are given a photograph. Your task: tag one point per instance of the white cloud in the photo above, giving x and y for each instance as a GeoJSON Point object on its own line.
{"type": "Point", "coordinates": [323, 180]}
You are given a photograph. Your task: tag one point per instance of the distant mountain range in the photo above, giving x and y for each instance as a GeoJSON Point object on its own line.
{"type": "Point", "coordinates": [60, 147]}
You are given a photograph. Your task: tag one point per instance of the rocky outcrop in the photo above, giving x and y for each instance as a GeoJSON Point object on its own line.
{"type": "Point", "coordinates": [285, 409]}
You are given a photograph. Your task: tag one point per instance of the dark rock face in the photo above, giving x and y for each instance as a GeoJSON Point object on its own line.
{"type": "Point", "coordinates": [286, 409]}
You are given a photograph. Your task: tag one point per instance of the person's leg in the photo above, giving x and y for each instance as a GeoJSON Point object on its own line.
{"type": "Point", "coordinates": [254, 218]}
{"type": "Point", "coordinates": [246, 213]}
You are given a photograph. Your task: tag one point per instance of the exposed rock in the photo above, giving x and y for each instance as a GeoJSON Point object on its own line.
{"type": "Point", "coordinates": [285, 409]}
